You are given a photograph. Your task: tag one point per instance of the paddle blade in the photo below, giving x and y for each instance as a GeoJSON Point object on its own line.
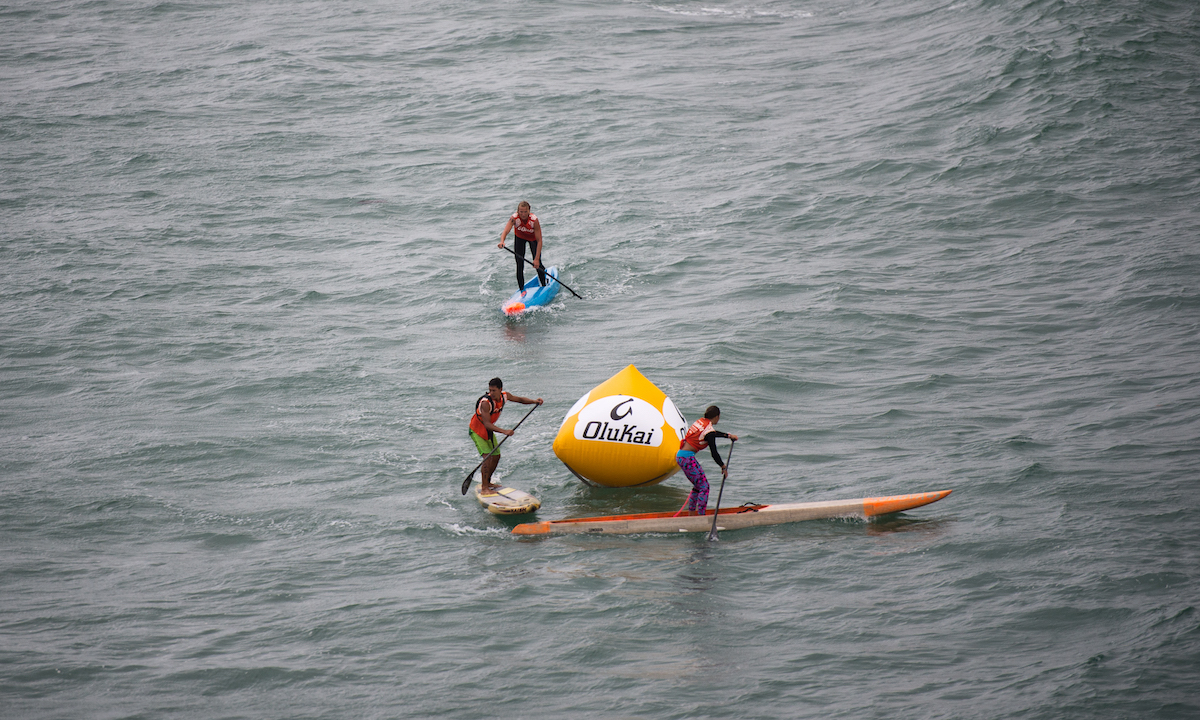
{"type": "Point", "coordinates": [467, 483]}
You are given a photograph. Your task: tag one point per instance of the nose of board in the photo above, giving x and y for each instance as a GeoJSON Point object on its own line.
{"type": "Point", "coordinates": [896, 503]}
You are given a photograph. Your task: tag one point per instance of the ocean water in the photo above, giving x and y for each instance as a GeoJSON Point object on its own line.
{"type": "Point", "coordinates": [250, 290]}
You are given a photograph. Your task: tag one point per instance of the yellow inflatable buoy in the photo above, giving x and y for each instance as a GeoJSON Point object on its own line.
{"type": "Point", "coordinates": [623, 433]}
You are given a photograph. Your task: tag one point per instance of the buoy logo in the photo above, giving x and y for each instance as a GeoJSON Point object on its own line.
{"type": "Point", "coordinates": [620, 419]}
{"type": "Point", "coordinates": [616, 407]}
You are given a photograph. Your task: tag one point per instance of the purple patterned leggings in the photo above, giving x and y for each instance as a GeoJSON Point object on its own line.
{"type": "Point", "coordinates": [698, 499]}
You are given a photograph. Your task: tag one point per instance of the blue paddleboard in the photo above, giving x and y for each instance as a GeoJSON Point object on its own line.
{"type": "Point", "coordinates": [533, 295]}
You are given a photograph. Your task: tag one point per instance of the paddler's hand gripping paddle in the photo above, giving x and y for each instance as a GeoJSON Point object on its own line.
{"type": "Point", "coordinates": [467, 483]}
{"type": "Point", "coordinates": [530, 263]}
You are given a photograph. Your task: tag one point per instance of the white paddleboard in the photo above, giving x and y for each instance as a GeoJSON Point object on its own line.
{"type": "Point", "coordinates": [507, 501]}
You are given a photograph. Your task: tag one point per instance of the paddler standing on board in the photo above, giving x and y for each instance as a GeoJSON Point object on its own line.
{"type": "Point", "coordinates": [527, 231]}
{"type": "Point", "coordinates": [484, 428]}
{"type": "Point", "coordinates": [700, 435]}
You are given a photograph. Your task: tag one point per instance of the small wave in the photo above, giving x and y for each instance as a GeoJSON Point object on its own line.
{"type": "Point", "coordinates": [740, 13]}
{"type": "Point", "coordinates": [469, 531]}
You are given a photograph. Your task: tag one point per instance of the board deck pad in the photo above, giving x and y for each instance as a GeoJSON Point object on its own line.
{"type": "Point", "coordinates": [507, 501]}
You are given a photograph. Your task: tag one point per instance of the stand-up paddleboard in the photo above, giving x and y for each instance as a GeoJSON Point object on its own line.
{"type": "Point", "coordinates": [507, 501]}
{"type": "Point", "coordinates": [533, 295]}
{"type": "Point", "coordinates": [732, 518]}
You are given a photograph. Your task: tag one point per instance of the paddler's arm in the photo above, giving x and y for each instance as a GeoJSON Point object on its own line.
{"type": "Point", "coordinates": [537, 234]}
{"type": "Point", "coordinates": [711, 438]}
{"type": "Point", "coordinates": [486, 418]}
{"type": "Point", "coordinates": [504, 235]}
{"type": "Point", "coordinates": [522, 400]}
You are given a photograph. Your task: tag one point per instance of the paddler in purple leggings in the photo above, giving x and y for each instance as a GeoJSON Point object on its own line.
{"type": "Point", "coordinates": [701, 435]}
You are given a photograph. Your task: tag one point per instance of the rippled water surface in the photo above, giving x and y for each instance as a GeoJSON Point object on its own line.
{"type": "Point", "coordinates": [250, 291]}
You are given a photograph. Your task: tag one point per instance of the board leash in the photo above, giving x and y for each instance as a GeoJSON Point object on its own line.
{"type": "Point", "coordinates": [686, 500]}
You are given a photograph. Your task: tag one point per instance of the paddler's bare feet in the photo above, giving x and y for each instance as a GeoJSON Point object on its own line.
{"type": "Point", "coordinates": [486, 488]}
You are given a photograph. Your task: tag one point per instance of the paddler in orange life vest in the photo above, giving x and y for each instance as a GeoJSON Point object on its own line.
{"type": "Point", "coordinates": [484, 428]}
{"type": "Point", "coordinates": [526, 231]}
{"type": "Point", "coordinates": [701, 435]}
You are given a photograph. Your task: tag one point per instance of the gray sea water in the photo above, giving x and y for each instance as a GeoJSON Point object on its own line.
{"type": "Point", "coordinates": [250, 291]}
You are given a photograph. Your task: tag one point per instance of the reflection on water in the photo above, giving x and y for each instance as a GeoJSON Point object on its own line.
{"type": "Point", "coordinates": [899, 534]}
{"type": "Point", "coordinates": [587, 501]}
{"type": "Point", "coordinates": [529, 331]}
{"type": "Point", "coordinates": [904, 524]}
{"type": "Point", "coordinates": [514, 331]}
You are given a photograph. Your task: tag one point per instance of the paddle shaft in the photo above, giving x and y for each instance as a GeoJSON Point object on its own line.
{"type": "Point", "coordinates": [560, 282]}
{"type": "Point", "coordinates": [467, 483]}
{"type": "Point", "coordinates": [712, 534]}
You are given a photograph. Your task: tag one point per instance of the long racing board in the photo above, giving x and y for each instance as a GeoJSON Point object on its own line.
{"type": "Point", "coordinates": [732, 518]}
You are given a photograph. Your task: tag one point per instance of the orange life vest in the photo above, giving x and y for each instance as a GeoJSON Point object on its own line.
{"type": "Point", "coordinates": [695, 434]}
{"type": "Point", "coordinates": [477, 423]}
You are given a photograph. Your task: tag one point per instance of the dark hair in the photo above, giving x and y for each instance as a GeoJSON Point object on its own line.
{"type": "Point", "coordinates": [712, 412]}
{"type": "Point", "coordinates": [496, 383]}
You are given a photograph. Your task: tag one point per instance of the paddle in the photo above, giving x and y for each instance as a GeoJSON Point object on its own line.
{"type": "Point", "coordinates": [530, 262]}
{"type": "Point", "coordinates": [467, 483]}
{"type": "Point", "coordinates": [712, 534]}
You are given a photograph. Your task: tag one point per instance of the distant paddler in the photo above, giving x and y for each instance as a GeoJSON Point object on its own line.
{"type": "Point", "coordinates": [483, 428]}
{"type": "Point", "coordinates": [527, 230]}
{"type": "Point", "coordinates": [701, 435]}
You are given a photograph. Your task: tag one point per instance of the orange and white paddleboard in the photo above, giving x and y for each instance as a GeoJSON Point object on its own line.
{"type": "Point", "coordinates": [732, 518]}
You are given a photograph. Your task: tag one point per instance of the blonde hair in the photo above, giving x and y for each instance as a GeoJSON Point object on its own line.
{"type": "Point", "coordinates": [523, 204]}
